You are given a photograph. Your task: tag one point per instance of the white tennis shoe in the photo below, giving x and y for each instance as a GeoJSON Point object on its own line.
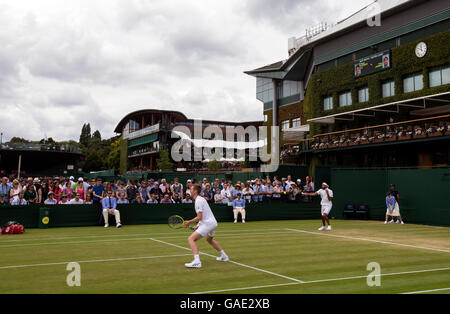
{"type": "Point", "coordinates": [193, 264]}
{"type": "Point", "coordinates": [223, 259]}
{"type": "Point", "coordinates": [321, 228]}
{"type": "Point", "coordinates": [329, 228]}
{"type": "Point", "coordinates": [106, 225]}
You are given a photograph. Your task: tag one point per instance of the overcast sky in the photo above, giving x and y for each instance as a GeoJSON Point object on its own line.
{"type": "Point", "coordinates": [65, 63]}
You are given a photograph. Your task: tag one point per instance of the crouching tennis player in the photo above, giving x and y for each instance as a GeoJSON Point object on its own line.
{"type": "Point", "coordinates": [206, 227]}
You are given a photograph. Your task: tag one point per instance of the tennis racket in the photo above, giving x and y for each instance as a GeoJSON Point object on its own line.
{"type": "Point", "coordinates": [177, 222]}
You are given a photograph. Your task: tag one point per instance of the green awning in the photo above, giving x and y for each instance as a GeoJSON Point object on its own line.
{"type": "Point", "coordinates": [143, 140]}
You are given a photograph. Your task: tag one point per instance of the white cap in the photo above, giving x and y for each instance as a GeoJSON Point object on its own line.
{"type": "Point", "coordinates": [71, 178]}
{"type": "Point", "coordinates": [80, 179]}
{"type": "Point", "coordinates": [326, 184]}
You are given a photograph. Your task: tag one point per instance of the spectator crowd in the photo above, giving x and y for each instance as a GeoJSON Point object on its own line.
{"type": "Point", "coordinates": [61, 190]}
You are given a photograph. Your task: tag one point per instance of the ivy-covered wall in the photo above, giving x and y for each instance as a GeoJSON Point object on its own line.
{"type": "Point", "coordinates": [123, 156]}
{"type": "Point", "coordinates": [339, 79]}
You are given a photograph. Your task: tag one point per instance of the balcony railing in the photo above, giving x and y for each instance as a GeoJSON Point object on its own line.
{"type": "Point", "coordinates": [42, 147]}
{"type": "Point", "coordinates": [142, 132]}
{"type": "Point", "coordinates": [394, 132]}
{"type": "Point", "coordinates": [142, 151]}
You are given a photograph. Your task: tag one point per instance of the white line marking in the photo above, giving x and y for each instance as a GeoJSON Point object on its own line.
{"type": "Point", "coordinates": [370, 240]}
{"type": "Point", "coordinates": [323, 280]}
{"type": "Point", "coordinates": [233, 262]}
{"type": "Point", "coordinates": [137, 239]}
{"type": "Point", "coordinates": [94, 261]}
{"type": "Point", "coordinates": [129, 235]}
{"type": "Point", "coordinates": [426, 291]}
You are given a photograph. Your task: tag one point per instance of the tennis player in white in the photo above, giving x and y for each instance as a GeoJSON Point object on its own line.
{"type": "Point", "coordinates": [327, 203]}
{"type": "Point", "coordinates": [206, 227]}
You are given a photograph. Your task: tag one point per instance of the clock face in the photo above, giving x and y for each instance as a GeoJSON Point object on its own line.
{"type": "Point", "coordinates": [421, 49]}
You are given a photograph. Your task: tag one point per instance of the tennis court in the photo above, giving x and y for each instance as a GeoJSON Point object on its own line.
{"type": "Point", "coordinates": [266, 257]}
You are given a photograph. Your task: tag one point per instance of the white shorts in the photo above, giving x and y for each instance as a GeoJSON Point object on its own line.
{"type": "Point", "coordinates": [204, 230]}
{"type": "Point", "coordinates": [326, 209]}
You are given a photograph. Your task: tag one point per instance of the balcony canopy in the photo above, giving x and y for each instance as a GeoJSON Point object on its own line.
{"type": "Point", "coordinates": [420, 106]}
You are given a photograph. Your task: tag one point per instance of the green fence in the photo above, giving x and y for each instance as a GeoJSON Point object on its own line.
{"type": "Point", "coordinates": [423, 192]}
{"type": "Point", "coordinates": [90, 215]}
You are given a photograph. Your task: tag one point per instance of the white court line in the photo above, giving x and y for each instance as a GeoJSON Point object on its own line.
{"type": "Point", "coordinates": [232, 262]}
{"type": "Point", "coordinates": [129, 235]}
{"type": "Point", "coordinates": [426, 291]}
{"type": "Point", "coordinates": [323, 280]}
{"type": "Point", "coordinates": [94, 261]}
{"type": "Point", "coordinates": [369, 240]}
{"type": "Point", "coordinates": [234, 235]}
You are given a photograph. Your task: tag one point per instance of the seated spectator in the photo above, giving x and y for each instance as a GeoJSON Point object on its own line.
{"type": "Point", "coordinates": [64, 200]}
{"type": "Point", "coordinates": [176, 199]}
{"type": "Point", "coordinates": [268, 192]}
{"type": "Point", "coordinates": [51, 200]}
{"type": "Point", "coordinates": [166, 199]}
{"type": "Point", "coordinates": [88, 200]}
{"type": "Point", "coordinates": [237, 190]}
{"type": "Point", "coordinates": [3, 202]}
{"type": "Point", "coordinates": [76, 200]}
{"type": "Point", "coordinates": [188, 199]}
{"type": "Point", "coordinates": [207, 193]}
{"type": "Point", "coordinates": [156, 191]}
{"type": "Point", "coordinates": [15, 190]}
{"type": "Point", "coordinates": [120, 189]}
{"type": "Point", "coordinates": [67, 190]}
{"type": "Point", "coordinates": [152, 199]}
{"type": "Point", "coordinates": [19, 201]}
{"type": "Point", "coordinates": [79, 188]}
{"type": "Point", "coordinates": [122, 198]}
{"type": "Point", "coordinates": [259, 191]}
{"type": "Point", "coordinates": [109, 204]}
{"type": "Point", "coordinates": [177, 187]}
{"type": "Point", "coordinates": [277, 190]}
{"type": "Point", "coordinates": [132, 192]}
{"type": "Point", "coordinates": [239, 208]}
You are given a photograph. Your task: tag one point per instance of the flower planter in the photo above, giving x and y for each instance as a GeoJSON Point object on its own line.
{"type": "Point", "coordinates": [404, 137]}
{"type": "Point", "coordinates": [423, 135]}
{"type": "Point", "coordinates": [436, 133]}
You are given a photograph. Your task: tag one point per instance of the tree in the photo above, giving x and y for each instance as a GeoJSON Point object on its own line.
{"type": "Point", "coordinates": [85, 135]}
{"type": "Point", "coordinates": [113, 159]}
{"type": "Point", "coordinates": [97, 135]}
{"type": "Point", "coordinates": [163, 162]}
{"type": "Point", "coordinates": [18, 140]}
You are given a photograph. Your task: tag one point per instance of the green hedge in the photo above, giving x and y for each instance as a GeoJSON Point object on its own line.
{"type": "Point", "coordinates": [404, 61]}
{"type": "Point", "coordinates": [90, 215]}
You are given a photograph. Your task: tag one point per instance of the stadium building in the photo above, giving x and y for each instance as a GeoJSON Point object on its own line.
{"type": "Point", "coordinates": [146, 132]}
{"type": "Point", "coordinates": [355, 94]}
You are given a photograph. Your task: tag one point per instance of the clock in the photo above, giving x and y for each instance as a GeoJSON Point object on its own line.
{"type": "Point", "coordinates": [421, 49]}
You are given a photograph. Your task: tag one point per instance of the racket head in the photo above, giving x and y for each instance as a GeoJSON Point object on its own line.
{"type": "Point", "coordinates": [176, 222]}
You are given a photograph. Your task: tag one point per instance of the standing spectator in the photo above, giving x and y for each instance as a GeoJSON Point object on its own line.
{"type": "Point", "coordinates": [226, 194]}
{"type": "Point", "coordinates": [207, 193]}
{"type": "Point", "coordinates": [268, 192]}
{"type": "Point", "coordinates": [277, 190]}
{"type": "Point", "coordinates": [98, 192]}
{"type": "Point", "coordinates": [259, 191]}
{"type": "Point", "coordinates": [80, 189]}
{"type": "Point", "coordinates": [216, 186]}
{"type": "Point", "coordinates": [5, 188]}
{"type": "Point", "coordinates": [30, 194]}
{"type": "Point", "coordinates": [67, 190]}
{"type": "Point", "coordinates": [217, 197]}
{"type": "Point", "coordinates": [239, 208]}
{"type": "Point", "coordinates": [19, 200]}
{"type": "Point", "coordinates": [177, 187]}
{"type": "Point", "coordinates": [132, 192]}
{"type": "Point", "coordinates": [56, 190]}
{"type": "Point", "coordinates": [142, 195]}
{"type": "Point", "coordinates": [14, 191]}
{"type": "Point", "coordinates": [248, 193]}
{"type": "Point", "coordinates": [45, 191]}
{"type": "Point", "coordinates": [237, 190]}
{"type": "Point", "coordinates": [120, 189]}
{"type": "Point", "coordinates": [38, 189]}
{"type": "Point", "coordinates": [77, 200]}
{"type": "Point", "coordinates": [156, 191]}
{"type": "Point", "coordinates": [164, 186]}
{"type": "Point", "coordinates": [109, 204]}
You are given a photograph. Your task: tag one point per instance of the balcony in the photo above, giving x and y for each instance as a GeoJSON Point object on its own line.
{"type": "Point", "coordinates": [414, 130]}
{"type": "Point", "coordinates": [143, 151]}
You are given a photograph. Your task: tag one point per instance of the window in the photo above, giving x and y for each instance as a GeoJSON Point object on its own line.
{"type": "Point", "coordinates": [328, 103]}
{"type": "Point", "coordinates": [264, 89]}
{"type": "Point", "coordinates": [288, 88]}
{"type": "Point", "coordinates": [284, 125]}
{"type": "Point", "coordinates": [363, 94]}
{"type": "Point", "coordinates": [345, 99]}
{"type": "Point", "coordinates": [388, 89]}
{"type": "Point", "coordinates": [413, 83]}
{"type": "Point", "coordinates": [266, 118]}
{"type": "Point", "coordinates": [440, 76]}
{"type": "Point", "coordinates": [296, 122]}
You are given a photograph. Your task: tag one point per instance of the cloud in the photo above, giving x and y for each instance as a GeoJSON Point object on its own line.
{"type": "Point", "coordinates": [65, 63]}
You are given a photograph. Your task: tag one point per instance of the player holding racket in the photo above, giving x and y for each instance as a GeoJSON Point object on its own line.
{"type": "Point", "coordinates": [206, 227]}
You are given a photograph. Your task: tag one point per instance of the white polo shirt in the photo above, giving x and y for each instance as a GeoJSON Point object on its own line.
{"type": "Point", "coordinates": [201, 205]}
{"type": "Point", "coordinates": [323, 195]}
